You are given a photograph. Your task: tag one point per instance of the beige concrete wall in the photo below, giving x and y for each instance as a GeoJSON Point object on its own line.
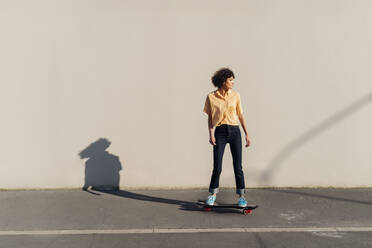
{"type": "Point", "coordinates": [137, 72]}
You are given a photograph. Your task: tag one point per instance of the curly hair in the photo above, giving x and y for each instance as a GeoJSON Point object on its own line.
{"type": "Point", "coordinates": [220, 76]}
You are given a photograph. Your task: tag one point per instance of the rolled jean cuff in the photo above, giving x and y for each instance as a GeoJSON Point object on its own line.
{"type": "Point", "coordinates": [240, 191]}
{"type": "Point", "coordinates": [214, 191]}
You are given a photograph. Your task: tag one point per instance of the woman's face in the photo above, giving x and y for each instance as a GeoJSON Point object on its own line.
{"type": "Point", "coordinates": [229, 83]}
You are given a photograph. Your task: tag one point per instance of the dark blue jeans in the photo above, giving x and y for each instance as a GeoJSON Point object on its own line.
{"type": "Point", "coordinates": [227, 134]}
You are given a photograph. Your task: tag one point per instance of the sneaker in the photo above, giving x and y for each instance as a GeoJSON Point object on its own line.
{"type": "Point", "coordinates": [210, 200]}
{"type": "Point", "coordinates": [242, 202]}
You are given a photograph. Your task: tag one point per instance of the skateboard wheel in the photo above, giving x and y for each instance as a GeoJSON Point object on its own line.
{"type": "Point", "coordinates": [247, 211]}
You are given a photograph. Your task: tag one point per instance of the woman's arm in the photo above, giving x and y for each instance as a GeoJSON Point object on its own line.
{"type": "Point", "coordinates": [239, 111]}
{"type": "Point", "coordinates": [212, 140]}
{"type": "Point", "coordinates": [244, 125]}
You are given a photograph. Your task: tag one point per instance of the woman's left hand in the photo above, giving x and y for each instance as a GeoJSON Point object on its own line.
{"type": "Point", "coordinates": [248, 141]}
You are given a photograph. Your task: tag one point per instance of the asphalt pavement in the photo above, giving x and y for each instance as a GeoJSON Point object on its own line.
{"type": "Point", "coordinates": [286, 217]}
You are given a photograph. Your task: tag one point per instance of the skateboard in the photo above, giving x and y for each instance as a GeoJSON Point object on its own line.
{"type": "Point", "coordinates": [245, 210]}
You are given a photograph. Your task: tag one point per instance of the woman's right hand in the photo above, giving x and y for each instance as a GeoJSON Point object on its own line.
{"type": "Point", "coordinates": [212, 140]}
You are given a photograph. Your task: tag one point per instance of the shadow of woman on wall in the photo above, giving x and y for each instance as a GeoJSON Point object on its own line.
{"type": "Point", "coordinates": [101, 167]}
{"type": "Point", "coordinates": [102, 175]}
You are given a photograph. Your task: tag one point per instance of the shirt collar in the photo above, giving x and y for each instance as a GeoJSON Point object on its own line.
{"type": "Point", "coordinates": [228, 93]}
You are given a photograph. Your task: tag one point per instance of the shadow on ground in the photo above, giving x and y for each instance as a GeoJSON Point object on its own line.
{"type": "Point", "coordinates": [322, 196]}
{"type": "Point", "coordinates": [183, 205]}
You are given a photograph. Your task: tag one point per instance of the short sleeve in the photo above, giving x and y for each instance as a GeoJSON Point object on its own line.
{"type": "Point", "coordinates": [239, 109]}
{"type": "Point", "coordinates": [207, 106]}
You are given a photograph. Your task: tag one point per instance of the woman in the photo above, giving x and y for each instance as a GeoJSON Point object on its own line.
{"type": "Point", "coordinates": [224, 110]}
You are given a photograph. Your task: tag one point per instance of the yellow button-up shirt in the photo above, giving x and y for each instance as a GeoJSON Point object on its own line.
{"type": "Point", "coordinates": [223, 109]}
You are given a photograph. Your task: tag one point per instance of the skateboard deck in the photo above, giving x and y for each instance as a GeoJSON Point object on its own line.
{"type": "Point", "coordinates": [245, 210]}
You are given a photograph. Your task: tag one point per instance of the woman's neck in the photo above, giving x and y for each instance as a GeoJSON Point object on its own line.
{"type": "Point", "coordinates": [223, 91]}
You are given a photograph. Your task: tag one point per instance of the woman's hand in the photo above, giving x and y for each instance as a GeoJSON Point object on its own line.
{"type": "Point", "coordinates": [248, 141]}
{"type": "Point", "coordinates": [212, 140]}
